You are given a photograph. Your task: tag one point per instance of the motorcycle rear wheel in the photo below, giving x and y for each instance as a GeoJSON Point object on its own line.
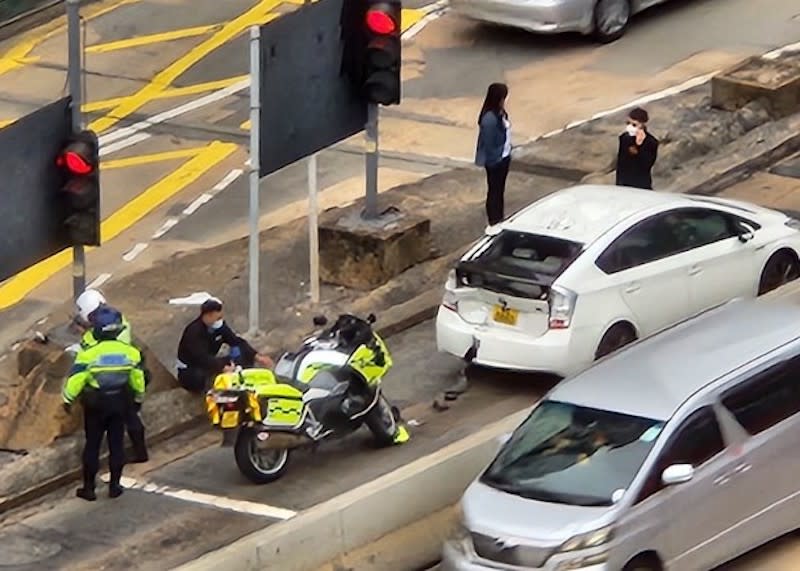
{"type": "Point", "coordinates": [260, 466]}
{"type": "Point", "coordinates": [382, 422]}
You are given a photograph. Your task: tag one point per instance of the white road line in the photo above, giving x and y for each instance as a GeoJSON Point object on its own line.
{"type": "Point", "coordinates": [433, 11]}
{"type": "Point", "coordinates": [227, 180]}
{"type": "Point", "coordinates": [127, 132]}
{"type": "Point", "coordinates": [135, 251]}
{"type": "Point", "coordinates": [658, 95]}
{"type": "Point", "coordinates": [98, 281]}
{"type": "Point", "coordinates": [124, 143]}
{"type": "Point", "coordinates": [219, 502]}
{"type": "Point", "coordinates": [165, 227]}
{"type": "Point", "coordinates": [198, 202]}
{"type": "Point", "coordinates": [775, 54]}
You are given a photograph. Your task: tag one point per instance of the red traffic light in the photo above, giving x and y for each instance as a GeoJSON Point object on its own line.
{"type": "Point", "coordinates": [75, 163]}
{"type": "Point", "coordinates": [77, 158]}
{"type": "Point", "coordinates": [380, 22]}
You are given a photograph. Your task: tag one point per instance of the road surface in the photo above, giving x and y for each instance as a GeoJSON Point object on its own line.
{"type": "Point", "coordinates": [190, 498]}
{"type": "Point", "coordinates": [183, 70]}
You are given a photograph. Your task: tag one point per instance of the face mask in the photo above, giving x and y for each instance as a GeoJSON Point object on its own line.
{"type": "Point", "coordinates": [217, 324]}
{"type": "Point", "coordinates": [631, 130]}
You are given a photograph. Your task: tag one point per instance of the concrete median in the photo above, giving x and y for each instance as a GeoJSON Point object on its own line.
{"type": "Point", "coordinates": [395, 523]}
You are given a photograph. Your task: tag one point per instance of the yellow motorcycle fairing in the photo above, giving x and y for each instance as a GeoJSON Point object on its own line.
{"type": "Point", "coordinates": [372, 363]}
{"type": "Point", "coordinates": [268, 399]}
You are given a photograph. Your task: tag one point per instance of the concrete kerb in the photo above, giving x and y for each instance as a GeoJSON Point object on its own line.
{"type": "Point", "coordinates": [333, 529]}
{"type": "Point", "coordinates": [373, 527]}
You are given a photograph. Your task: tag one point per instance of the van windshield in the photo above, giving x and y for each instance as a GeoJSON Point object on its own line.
{"type": "Point", "coordinates": [574, 455]}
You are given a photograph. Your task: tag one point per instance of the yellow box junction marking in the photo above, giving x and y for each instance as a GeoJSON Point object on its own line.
{"type": "Point", "coordinates": [258, 14]}
{"type": "Point", "coordinates": [19, 54]}
{"type": "Point", "coordinates": [14, 290]}
{"type": "Point", "coordinates": [147, 40]}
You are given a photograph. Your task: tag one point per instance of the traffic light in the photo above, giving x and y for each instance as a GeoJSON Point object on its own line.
{"type": "Point", "coordinates": [80, 162]}
{"type": "Point", "coordinates": [382, 54]}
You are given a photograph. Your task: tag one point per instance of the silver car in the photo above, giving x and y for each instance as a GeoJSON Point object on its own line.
{"type": "Point", "coordinates": [607, 20]}
{"type": "Point", "coordinates": [678, 453]}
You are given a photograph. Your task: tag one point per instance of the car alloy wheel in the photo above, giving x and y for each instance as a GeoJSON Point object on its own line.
{"type": "Point", "coordinates": [611, 19]}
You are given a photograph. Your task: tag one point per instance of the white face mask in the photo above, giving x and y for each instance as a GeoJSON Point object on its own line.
{"type": "Point", "coordinates": [217, 324]}
{"type": "Point", "coordinates": [631, 130]}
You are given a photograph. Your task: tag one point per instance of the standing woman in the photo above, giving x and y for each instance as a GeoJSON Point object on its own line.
{"type": "Point", "coordinates": [494, 149]}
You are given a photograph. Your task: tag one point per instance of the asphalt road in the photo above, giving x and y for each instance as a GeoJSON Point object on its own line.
{"type": "Point", "coordinates": [146, 57]}
{"type": "Point", "coordinates": [173, 523]}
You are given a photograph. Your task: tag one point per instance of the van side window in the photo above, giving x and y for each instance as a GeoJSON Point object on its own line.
{"type": "Point", "coordinates": [695, 442]}
{"type": "Point", "coordinates": [766, 399]}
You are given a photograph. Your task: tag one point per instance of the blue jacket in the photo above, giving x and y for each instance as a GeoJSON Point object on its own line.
{"type": "Point", "coordinates": [491, 140]}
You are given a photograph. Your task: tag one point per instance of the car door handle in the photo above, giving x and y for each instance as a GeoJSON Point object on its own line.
{"type": "Point", "coordinates": [632, 288]}
{"type": "Point", "coordinates": [694, 270]}
{"type": "Point", "coordinates": [722, 480]}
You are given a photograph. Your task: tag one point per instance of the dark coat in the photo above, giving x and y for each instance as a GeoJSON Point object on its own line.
{"type": "Point", "coordinates": [199, 346]}
{"type": "Point", "coordinates": [635, 162]}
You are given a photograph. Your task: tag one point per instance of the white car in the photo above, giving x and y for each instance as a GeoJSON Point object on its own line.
{"type": "Point", "coordinates": [584, 271]}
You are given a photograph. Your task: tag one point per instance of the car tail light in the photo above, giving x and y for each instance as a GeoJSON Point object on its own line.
{"type": "Point", "coordinates": [450, 299]}
{"type": "Point", "coordinates": [562, 305]}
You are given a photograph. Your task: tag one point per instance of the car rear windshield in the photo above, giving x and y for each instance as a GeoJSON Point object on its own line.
{"type": "Point", "coordinates": [517, 263]}
{"type": "Point", "coordinates": [574, 455]}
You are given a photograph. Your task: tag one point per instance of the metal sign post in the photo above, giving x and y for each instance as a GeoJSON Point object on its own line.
{"type": "Point", "coordinates": [313, 222]}
{"type": "Point", "coordinates": [74, 67]}
{"type": "Point", "coordinates": [313, 228]}
{"type": "Point", "coordinates": [371, 160]}
{"type": "Point", "coordinates": [255, 133]}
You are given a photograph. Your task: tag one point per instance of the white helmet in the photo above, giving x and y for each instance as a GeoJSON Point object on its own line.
{"type": "Point", "coordinates": [88, 302]}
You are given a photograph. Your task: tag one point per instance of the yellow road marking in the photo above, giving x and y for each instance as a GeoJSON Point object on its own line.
{"type": "Point", "coordinates": [167, 93]}
{"type": "Point", "coordinates": [19, 55]}
{"type": "Point", "coordinates": [162, 80]}
{"type": "Point", "coordinates": [139, 41]}
{"type": "Point", "coordinates": [14, 290]}
{"type": "Point", "coordinates": [409, 17]}
{"type": "Point", "coordinates": [245, 125]}
{"type": "Point", "coordinates": [151, 158]}
{"type": "Point", "coordinates": [6, 122]}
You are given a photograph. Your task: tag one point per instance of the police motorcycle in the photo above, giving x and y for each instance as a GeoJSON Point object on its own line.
{"type": "Point", "coordinates": [328, 388]}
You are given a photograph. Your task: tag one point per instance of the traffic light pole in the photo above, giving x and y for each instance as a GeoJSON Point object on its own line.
{"type": "Point", "coordinates": [74, 74]}
{"type": "Point", "coordinates": [255, 168]}
{"type": "Point", "coordinates": [371, 156]}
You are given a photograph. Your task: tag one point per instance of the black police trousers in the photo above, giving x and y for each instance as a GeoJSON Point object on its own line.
{"type": "Point", "coordinates": [136, 433]}
{"type": "Point", "coordinates": [97, 423]}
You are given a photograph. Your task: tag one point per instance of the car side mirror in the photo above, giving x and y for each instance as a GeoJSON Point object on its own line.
{"type": "Point", "coordinates": [677, 474]}
{"type": "Point", "coordinates": [744, 232]}
{"type": "Point", "coordinates": [320, 321]}
{"type": "Point", "coordinates": [371, 318]}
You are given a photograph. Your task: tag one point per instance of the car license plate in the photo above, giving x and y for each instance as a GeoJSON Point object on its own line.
{"type": "Point", "coordinates": [230, 419]}
{"type": "Point", "coordinates": [505, 315]}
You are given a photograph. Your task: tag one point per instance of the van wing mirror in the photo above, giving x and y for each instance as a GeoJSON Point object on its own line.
{"type": "Point", "coordinates": [677, 474]}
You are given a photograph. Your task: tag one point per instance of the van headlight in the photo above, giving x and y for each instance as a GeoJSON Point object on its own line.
{"type": "Point", "coordinates": [588, 540]}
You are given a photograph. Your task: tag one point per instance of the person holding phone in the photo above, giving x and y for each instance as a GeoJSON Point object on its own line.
{"type": "Point", "coordinates": [638, 150]}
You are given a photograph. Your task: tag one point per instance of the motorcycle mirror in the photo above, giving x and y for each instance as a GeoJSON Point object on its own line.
{"type": "Point", "coordinates": [320, 320]}
{"type": "Point", "coordinates": [371, 318]}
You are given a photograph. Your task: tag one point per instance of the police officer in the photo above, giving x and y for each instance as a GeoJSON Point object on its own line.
{"type": "Point", "coordinates": [88, 304]}
{"type": "Point", "coordinates": [106, 377]}
{"type": "Point", "coordinates": [202, 339]}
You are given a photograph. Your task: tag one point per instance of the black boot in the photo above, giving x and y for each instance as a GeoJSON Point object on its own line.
{"type": "Point", "coordinates": [86, 492]}
{"type": "Point", "coordinates": [114, 488]}
{"type": "Point", "coordinates": [139, 448]}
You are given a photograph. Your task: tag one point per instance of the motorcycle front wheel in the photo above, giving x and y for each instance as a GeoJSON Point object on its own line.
{"type": "Point", "coordinates": [259, 465]}
{"type": "Point", "coordinates": [382, 422]}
